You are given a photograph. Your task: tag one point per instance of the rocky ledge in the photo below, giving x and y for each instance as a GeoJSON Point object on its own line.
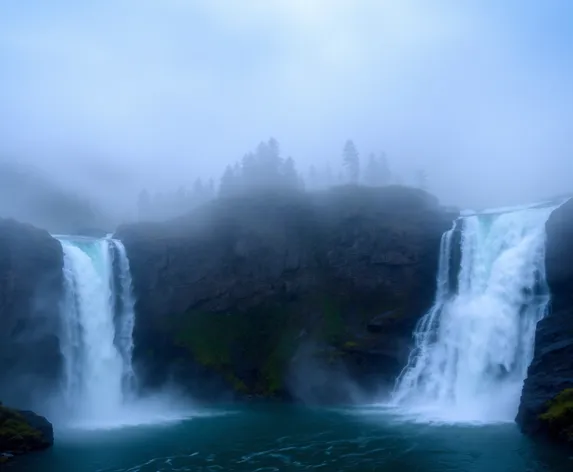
{"type": "Point", "coordinates": [546, 407]}
{"type": "Point", "coordinates": [22, 432]}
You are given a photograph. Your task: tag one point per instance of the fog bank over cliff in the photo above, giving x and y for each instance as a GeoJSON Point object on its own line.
{"type": "Point", "coordinates": [117, 96]}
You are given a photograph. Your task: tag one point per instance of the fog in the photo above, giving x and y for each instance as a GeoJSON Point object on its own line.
{"type": "Point", "coordinates": [107, 98]}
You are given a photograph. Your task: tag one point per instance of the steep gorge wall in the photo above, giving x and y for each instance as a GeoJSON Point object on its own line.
{"type": "Point", "coordinates": [285, 295]}
{"type": "Point", "coordinates": [30, 292]}
{"type": "Point", "coordinates": [547, 398]}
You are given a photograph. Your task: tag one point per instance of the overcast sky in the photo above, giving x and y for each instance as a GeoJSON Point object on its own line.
{"type": "Point", "coordinates": [479, 93]}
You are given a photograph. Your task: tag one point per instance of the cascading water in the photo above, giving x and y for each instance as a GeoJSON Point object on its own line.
{"type": "Point", "coordinates": [97, 321]}
{"type": "Point", "coordinates": [473, 348]}
{"type": "Point", "coordinates": [126, 321]}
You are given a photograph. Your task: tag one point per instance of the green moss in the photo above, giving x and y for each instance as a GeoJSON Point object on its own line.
{"type": "Point", "coordinates": [559, 415]}
{"type": "Point", "coordinates": [251, 349]}
{"type": "Point", "coordinates": [15, 433]}
{"type": "Point", "coordinates": [237, 384]}
{"type": "Point", "coordinates": [333, 324]}
{"type": "Point", "coordinates": [560, 406]}
{"type": "Point", "coordinates": [274, 369]}
{"type": "Point", "coordinates": [260, 341]}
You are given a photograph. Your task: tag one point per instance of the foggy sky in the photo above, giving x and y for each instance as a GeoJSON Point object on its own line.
{"type": "Point", "coordinates": [478, 93]}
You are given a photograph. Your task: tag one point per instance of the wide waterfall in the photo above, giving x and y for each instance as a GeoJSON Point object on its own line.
{"type": "Point", "coordinates": [97, 326]}
{"type": "Point", "coordinates": [473, 348]}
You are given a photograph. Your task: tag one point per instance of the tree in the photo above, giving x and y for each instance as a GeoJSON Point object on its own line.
{"type": "Point", "coordinates": [199, 191]}
{"type": "Point", "coordinates": [290, 178]}
{"type": "Point", "coordinates": [377, 172]}
{"type": "Point", "coordinates": [228, 183]}
{"type": "Point", "coordinates": [371, 171]}
{"type": "Point", "coordinates": [351, 161]}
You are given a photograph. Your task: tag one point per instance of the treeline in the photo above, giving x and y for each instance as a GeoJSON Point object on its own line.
{"type": "Point", "coordinates": [264, 169]}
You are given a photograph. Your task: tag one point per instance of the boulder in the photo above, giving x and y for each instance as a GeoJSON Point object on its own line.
{"type": "Point", "coordinates": [22, 432]}
{"type": "Point", "coordinates": [550, 375]}
{"type": "Point", "coordinates": [241, 293]}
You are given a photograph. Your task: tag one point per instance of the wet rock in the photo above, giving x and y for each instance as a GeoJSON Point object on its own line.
{"type": "Point", "coordinates": [551, 371]}
{"type": "Point", "coordinates": [22, 432]}
{"type": "Point", "coordinates": [31, 285]}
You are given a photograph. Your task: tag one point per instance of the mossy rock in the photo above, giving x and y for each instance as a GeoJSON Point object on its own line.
{"type": "Point", "coordinates": [18, 435]}
{"type": "Point", "coordinates": [252, 349]}
{"type": "Point", "coordinates": [252, 361]}
{"type": "Point", "coordinates": [558, 418]}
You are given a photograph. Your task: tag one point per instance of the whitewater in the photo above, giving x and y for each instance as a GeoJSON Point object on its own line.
{"type": "Point", "coordinates": [97, 318]}
{"type": "Point", "coordinates": [473, 348]}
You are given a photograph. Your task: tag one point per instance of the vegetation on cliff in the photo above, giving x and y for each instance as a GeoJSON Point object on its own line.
{"type": "Point", "coordinates": [558, 417]}
{"type": "Point", "coordinates": [22, 432]}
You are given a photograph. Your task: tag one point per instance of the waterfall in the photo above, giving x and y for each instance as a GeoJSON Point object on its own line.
{"type": "Point", "coordinates": [97, 326]}
{"type": "Point", "coordinates": [473, 348]}
{"type": "Point", "coordinates": [124, 335]}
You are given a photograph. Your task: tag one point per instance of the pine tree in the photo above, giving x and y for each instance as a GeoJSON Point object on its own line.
{"type": "Point", "coordinates": [228, 183]}
{"type": "Point", "coordinates": [290, 176]}
{"type": "Point", "coordinates": [371, 171]}
{"type": "Point", "coordinates": [351, 161]}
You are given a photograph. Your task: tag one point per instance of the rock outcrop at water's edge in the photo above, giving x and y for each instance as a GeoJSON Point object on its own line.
{"type": "Point", "coordinates": [22, 432]}
{"type": "Point", "coordinates": [547, 399]}
{"type": "Point", "coordinates": [285, 295]}
{"type": "Point", "coordinates": [30, 293]}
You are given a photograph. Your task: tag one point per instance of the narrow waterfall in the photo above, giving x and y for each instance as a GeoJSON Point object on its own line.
{"type": "Point", "coordinates": [126, 319]}
{"type": "Point", "coordinates": [97, 326]}
{"type": "Point", "coordinates": [473, 348]}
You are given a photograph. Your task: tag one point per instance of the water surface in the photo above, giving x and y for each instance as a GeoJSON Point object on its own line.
{"type": "Point", "coordinates": [267, 438]}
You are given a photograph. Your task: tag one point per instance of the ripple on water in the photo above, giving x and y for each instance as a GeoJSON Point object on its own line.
{"type": "Point", "coordinates": [288, 438]}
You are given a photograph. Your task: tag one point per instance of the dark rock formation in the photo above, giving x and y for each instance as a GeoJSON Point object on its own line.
{"type": "Point", "coordinates": [30, 293]}
{"type": "Point", "coordinates": [22, 432]}
{"type": "Point", "coordinates": [245, 292]}
{"type": "Point", "coordinates": [551, 372]}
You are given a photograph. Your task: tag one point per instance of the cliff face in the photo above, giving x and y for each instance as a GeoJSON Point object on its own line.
{"type": "Point", "coordinates": [30, 292]}
{"type": "Point", "coordinates": [547, 401]}
{"type": "Point", "coordinates": [285, 295]}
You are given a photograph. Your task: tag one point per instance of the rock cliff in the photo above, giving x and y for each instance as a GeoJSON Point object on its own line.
{"type": "Point", "coordinates": [30, 293]}
{"type": "Point", "coordinates": [547, 400]}
{"type": "Point", "coordinates": [22, 432]}
{"type": "Point", "coordinates": [313, 296]}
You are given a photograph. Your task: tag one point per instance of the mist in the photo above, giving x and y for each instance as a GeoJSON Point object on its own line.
{"type": "Point", "coordinates": [109, 98]}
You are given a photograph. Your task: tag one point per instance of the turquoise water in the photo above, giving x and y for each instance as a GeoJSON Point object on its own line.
{"type": "Point", "coordinates": [268, 438]}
